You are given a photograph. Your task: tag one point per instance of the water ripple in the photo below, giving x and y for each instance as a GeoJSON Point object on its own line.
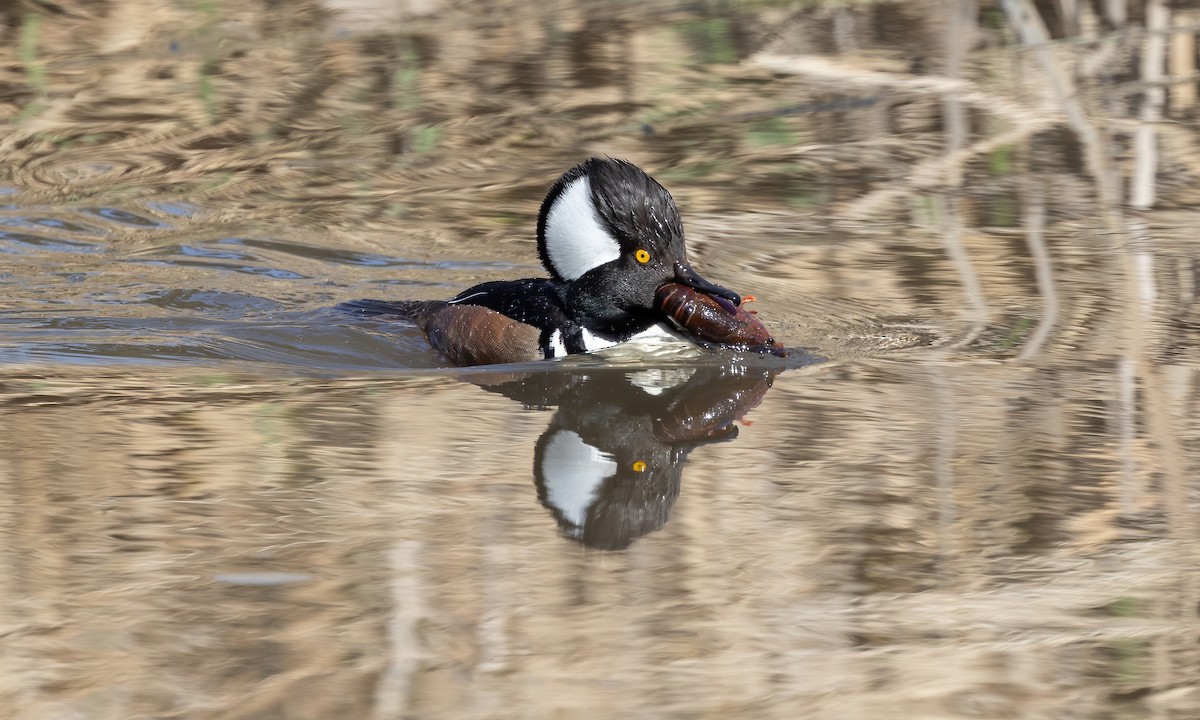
{"type": "Point", "coordinates": [18, 243]}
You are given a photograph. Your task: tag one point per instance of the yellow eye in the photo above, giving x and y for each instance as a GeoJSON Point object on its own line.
{"type": "Point", "coordinates": [639, 466]}
{"type": "Point", "coordinates": [643, 257]}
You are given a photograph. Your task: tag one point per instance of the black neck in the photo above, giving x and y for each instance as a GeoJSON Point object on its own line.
{"type": "Point", "coordinates": [604, 318]}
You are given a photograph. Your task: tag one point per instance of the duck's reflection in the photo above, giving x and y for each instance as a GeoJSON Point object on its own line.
{"type": "Point", "coordinates": [609, 464]}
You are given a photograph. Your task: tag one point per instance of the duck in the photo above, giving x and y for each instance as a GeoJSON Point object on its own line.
{"type": "Point", "coordinates": [610, 237]}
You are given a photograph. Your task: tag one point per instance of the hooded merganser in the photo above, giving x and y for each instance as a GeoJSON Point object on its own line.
{"type": "Point", "coordinates": [610, 236]}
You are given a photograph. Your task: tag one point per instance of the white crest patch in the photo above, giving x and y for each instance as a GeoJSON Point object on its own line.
{"type": "Point", "coordinates": [575, 240]}
{"type": "Point", "coordinates": [573, 472]}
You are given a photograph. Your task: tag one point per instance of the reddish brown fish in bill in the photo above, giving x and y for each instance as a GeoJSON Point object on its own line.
{"type": "Point", "coordinates": [715, 320]}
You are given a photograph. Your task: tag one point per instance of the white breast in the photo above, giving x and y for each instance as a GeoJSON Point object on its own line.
{"type": "Point", "coordinates": [658, 341]}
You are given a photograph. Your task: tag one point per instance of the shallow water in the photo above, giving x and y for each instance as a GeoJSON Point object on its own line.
{"type": "Point", "coordinates": [969, 494]}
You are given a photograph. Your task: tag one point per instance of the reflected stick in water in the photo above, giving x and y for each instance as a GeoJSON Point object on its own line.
{"type": "Point", "coordinates": [943, 466]}
{"type": "Point", "coordinates": [1154, 96]}
{"type": "Point", "coordinates": [959, 34]}
{"type": "Point", "coordinates": [1182, 60]}
{"type": "Point", "coordinates": [951, 219]}
{"type": "Point", "coordinates": [394, 687]}
{"type": "Point", "coordinates": [1114, 11]}
{"type": "Point", "coordinates": [928, 173]}
{"type": "Point", "coordinates": [1024, 17]}
{"type": "Point", "coordinates": [1142, 192]}
{"type": "Point", "coordinates": [1159, 417]}
{"type": "Point", "coordinates": [1043, 268]}
{"type": "Point", "coordinates": [961, 22]}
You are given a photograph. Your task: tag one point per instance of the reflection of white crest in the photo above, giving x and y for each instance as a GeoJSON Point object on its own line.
{"type": "Point", "coordinates": [575, 240]}
{"type": "Point", "coordinates": [573, 471]}
{"type": "Point", "coordinates": [655, 380]}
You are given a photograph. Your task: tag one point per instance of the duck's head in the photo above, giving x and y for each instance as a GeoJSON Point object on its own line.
{"type": "Point", "coordinates": [612, 236]}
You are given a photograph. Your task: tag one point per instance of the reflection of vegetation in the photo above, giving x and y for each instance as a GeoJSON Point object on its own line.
{"type": "Point", "coordinates": [1000, 160]}
{"type": "Point", "coordinates": [711, 40]}
{"type": "Point", "coordinates": [206, 89]}
{"type": "Point", "coordinates": [770, 131]}
{"type": "Point", "coordinates": [926, 211]}
{"type": "Point", "coordinates": [424, 138]}
{"type": "Point", "coordinates": [405, 91]}
{"type": "Point", "coordinates": [271, 423]}
{"type": "Point", "coordinates": [675, 115]}
{"type": "Point", "coordinates": [1128, 654]}
{"type": "Point", "coordinates": [991, 18]}
{"type": "Point", "coordinates": [800, 187]}
{"type": "Point", "coordinates": [810, 197]}
{"type": "Point", "coordinates": [1016, 333]}
{"type": "Point", "coordinates": [206, 86]}
{"type": "Point", "coordinates": [214, 379]}
{"type": "Point", "coordinates": [66, 142]}
{"type": "Point", "coordinates": [1123, 607]}
{"type": "Point", "coordinates": [35, 70]}
{"type": "Point", "coordinates": [726, 6]}
{"type": "Point", "coordinates": [1001, 207]}
{"type": "Point", "coordinates": [1002, 211]}
{"type": "Point", "coordinates": [691, 171]}
{"type": "Point", "coordinates": [508, 219]}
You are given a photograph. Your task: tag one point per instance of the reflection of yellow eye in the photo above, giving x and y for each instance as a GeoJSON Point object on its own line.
{"type": "Point", "coordinates": [642, 256]}
{"type": "Point", "coordinates": [639, 466]}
